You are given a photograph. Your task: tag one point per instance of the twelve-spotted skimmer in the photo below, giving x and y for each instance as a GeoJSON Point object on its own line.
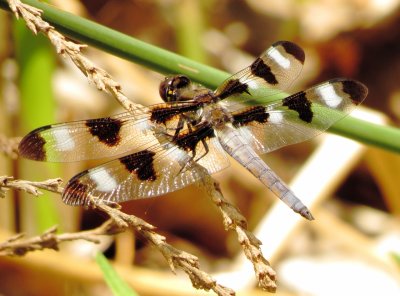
{"type": "Point", "coordinates": [161, 146]}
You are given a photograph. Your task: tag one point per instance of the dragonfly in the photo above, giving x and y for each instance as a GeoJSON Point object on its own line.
{"type": "Point", "coordinates": [164, 147]}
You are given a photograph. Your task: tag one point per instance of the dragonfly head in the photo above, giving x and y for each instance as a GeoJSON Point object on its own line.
{"type": "Point", "coordinates": [171, 88]}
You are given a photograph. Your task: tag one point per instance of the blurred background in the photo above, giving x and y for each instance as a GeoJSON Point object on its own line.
{"type": "Point", "coordinates": [352, 248]}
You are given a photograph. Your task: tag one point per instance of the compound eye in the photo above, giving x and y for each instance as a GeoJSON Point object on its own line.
{"type": "Point", "coordinates": [164, 89]}
{"type": "Point", "coordinates": [180, 81]}
{"type": "Point", "coordinates": [169, 87]}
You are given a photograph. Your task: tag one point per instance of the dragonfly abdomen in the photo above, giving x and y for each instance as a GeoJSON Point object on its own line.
{"type": "Point", "coordinates": [234, 144]}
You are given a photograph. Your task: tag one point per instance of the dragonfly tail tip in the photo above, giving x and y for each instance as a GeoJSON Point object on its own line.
{"type": "Point", "coordinates": [307, 214]}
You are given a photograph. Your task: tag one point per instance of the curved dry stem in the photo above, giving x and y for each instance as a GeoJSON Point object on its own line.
{"type": "Point", "coordinates": [64, 47]}
{"type": "Point", "coordinates": [31, 187]}
{"type": "Point", "coordinates": [233, 219]}
{"type": "Point", "coordinates": [118, 222]}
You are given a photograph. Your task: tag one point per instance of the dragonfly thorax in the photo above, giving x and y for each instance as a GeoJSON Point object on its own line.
{"type": "Point", "coordinates": [217, 115]}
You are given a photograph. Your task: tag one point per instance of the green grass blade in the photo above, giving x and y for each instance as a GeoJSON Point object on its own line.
{"type": "Point", "coordinates": [113, 280]}
{"type": "Point", "coordinates": [167, 62]}
{"type": "Point", "coordinates": [189, 38]}
{"type": "Point", "coordinates": [36, 62]}
{"type": "Point", "coordinates": [385, 137]}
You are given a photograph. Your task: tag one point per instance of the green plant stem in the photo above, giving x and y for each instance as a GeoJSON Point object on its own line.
{"type": "Point", "coordinates": [166, 62]}
{"type": "Point", "coordinates": [189, 28]}
{"type": "Point", "coordinates": [116, 284]}
{"type": "Point", "coordinates": [382, 136]}
{"type": "Point", "coordinates": [36, 63]}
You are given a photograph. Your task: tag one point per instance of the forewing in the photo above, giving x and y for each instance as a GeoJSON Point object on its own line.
{"type": "Point", "coordinates": [102, 137]}
{"type": "Point", "coordinates": [271, 72]}
{"type": "Point", "coordinates": [300, 116]}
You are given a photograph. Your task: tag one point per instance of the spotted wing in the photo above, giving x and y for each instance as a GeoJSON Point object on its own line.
{"type": "Point", "coordinates": [102, 137]}
{"type": "Point", "coordinates": [300, 116]}
{"type": "Point", "coordinates": [157, 170]}
{"type": "Point", "coordinates": [271, 72]}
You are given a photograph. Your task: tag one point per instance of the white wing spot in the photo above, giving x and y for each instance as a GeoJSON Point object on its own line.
{"type": "Point", "coordinates": [250, 83]}
{"type": "Point", "coordinates": [275, 117]}
{"type": "Point", "coordinates": [329, 96]}
{"type": "Point", "coordinates": [104, 181]}
{"type": "Point", "coordinates": [279, 58]}
{"type": "Point", "coordinates": [64, 141]}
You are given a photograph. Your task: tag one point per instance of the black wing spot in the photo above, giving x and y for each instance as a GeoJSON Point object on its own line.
{"type": "Point", "coordinates": [233, 87]}
{"type": "Point", "coordinates": [141, 164]}
{"type": "Point", "coordinates": [76, 192]}
{"type": "Point", "coordinates": [356, 90]}
{"type": "Point", "coordinates": [32, 145]}
{"type": "Point", "coordinates": [249, 115]}
{"type": "Point", "coordinates": [299, 103]}
{"type": "Point", "coordinates": [292, 49]}
{"type": "Point", "coordinates": [260, 69]}
{"type": "Point", "coordinates": [106, 130]}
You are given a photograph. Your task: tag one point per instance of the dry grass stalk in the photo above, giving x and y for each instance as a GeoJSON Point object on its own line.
{"type": "Point", "coordinates": [98, 76]}
{"type": "Point", "coordinates": [118, 222]}
{"type": "Point", "coordinates": [29, 186]}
